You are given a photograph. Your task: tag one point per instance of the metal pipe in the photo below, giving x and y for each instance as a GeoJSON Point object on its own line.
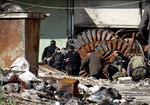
{"type": "Point", "coordinates": [70, 19]}
{"type": "Point", "coordinates": [140, 9]}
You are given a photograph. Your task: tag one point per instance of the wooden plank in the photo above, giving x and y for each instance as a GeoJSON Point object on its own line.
{"type": "Point", "coordinates": [52, 70]}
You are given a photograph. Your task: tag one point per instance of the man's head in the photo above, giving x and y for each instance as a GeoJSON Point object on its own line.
{"type": "Point", "coordinates": [71, 48]}
{"type": "Point", "coordinates": [57, 50]}
{"type": "Point", "coordinates": [53, 42]}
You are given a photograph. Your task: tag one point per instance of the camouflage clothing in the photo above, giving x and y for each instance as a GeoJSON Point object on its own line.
{"type": "Point", "coordinates": [137, 68]}
{"type": "Point", "coordinates": [139, 73]}
{"type": "Point", "coordinates": [117, 75]}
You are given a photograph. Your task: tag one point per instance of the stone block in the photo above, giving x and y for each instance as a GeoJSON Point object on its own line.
{"type": "Point", "coordinates": [69, 85]}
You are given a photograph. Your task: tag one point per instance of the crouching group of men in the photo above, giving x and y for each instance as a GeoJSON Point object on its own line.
{"type": "Point", "coordinates": [134, 66]}
{"type": "Point", "coordinates": [69, 60]}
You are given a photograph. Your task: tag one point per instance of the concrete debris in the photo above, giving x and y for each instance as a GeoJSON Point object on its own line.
{"type": "Point", "coordinates": [124, 79]}
{"type": "Point", "coordinates": [143, 84]}
{"type": "Point", "coordinates": [11, 87]}
{"type": "Point", "coordinates": [59, 89]}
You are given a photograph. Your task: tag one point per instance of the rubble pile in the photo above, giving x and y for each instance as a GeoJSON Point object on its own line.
{"type": "Point", "coordinates": [60, 89]}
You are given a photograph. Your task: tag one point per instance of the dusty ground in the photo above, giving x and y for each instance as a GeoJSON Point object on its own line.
{"type": "Point", "coordinates": [126, 90]}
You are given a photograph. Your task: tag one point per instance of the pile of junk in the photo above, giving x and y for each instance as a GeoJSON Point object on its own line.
{"type": "Point", "coordinates": [53, 87]}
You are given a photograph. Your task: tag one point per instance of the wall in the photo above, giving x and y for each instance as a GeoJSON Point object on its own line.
{"type": "Point", "coordinates": [53, 27]}
{"type": "Point", "coordinates": [107, 13]}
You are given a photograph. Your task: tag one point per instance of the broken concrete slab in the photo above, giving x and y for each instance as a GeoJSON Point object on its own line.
{"type": "Point", "coordinates": [50, 69]}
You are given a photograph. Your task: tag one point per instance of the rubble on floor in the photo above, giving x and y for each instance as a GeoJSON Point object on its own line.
{"type": "Point", "coordinates": [52, 87]}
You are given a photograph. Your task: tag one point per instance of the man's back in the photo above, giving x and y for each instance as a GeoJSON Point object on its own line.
{"type": "Point", "coordinates": [137, 61]}
{"type": "Point", "coordinates": [94, 63]}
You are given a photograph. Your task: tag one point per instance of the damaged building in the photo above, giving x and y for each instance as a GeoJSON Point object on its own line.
{"type": "Point", "coordinates": [102, 26]}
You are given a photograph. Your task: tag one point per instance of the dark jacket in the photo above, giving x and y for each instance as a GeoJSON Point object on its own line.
{"type": "Point", "coordinates": [73, 63]}
{"type": "Point", "coordinates": [74, 58]}
{"type": "Point", "coordinates": [145, 21]}
{"type": "Point", "coordinates": [48, 51]}
{"type": "Point", "coordinates": [144, 36]}
{"type": "Point", "coordinates": [58, 59]}
{"type": "Point", "coordinates": [94, 64]}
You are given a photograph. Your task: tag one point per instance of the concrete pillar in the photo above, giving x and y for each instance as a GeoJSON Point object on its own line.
{"type": "Point", "coordinates": [19, 36]}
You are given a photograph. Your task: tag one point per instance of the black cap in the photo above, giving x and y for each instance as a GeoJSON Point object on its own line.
{"type": "Point", "coordinates": [71, 47]}
{"type": "Point", "coordinates": [53, 41]}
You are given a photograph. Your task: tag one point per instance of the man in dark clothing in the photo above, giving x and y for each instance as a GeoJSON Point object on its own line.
{"type": "Point", "coordinates": [117, 67]}
{"type": "Point", "coordinates": [94, 63]}
{"type": "Point", "coordinates": [73, 61]}
{"type": "Point", "coordinates": [144, 25]}
{"type": "Point", "coordinates": [48, 52]}
{"type": "Point", "coordinates": [69, 42]}
{"type": "Point", "coordinates": [58, 59]}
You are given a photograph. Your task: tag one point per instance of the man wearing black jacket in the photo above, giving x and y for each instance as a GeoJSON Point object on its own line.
{"type": "Point", "coordinates": [48, 52]}
{"type": "Point", "coordinates": [144, 26]}
{"type": "Point", "coordinates": [58, 59]}
{"type": "Point", "coordinates": [73, 61]}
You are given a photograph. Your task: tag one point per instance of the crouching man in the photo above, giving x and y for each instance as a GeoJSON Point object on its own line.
{"type": "Point", "coordinates": [137, 68]}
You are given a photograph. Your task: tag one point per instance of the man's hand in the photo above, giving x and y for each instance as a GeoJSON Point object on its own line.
{"type": "Point", "coordinates": [48, 59]}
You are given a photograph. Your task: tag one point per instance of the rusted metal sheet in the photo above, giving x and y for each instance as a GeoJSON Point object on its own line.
{"type": "Point", "coordinates": [11, 46]}
{"type": "Point", "coordinates": [68, 84]}
{"type": "Point", "coordinates": [89, 39]}
{"type": "Point", "coordinates": [19, 36]}
{"type": "Point", "coordinates": [104, 42]}
{"type": "Point", "coordinates": [105, 48]}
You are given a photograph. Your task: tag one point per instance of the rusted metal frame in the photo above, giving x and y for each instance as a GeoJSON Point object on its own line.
{"type": "Point", "coordinates": [84, 36]}
{"type": "Point", "coordinates": [84, 51]}
{"type": "Point", "coordinates": [80, 40]}
{"type": "Point", "coordinates": [120, 45]}
{"type": "Point", "coordinates": [109, 58]}
{"type": "Point", "coordinates": [105, 55]}
{"type": "Point", "coordinates": [109, 42]}
{"type": "Point", "coordinates": [79, 43]}
{"type": "Point", "coordinates": [114, 45]}
{"type": "Point", "coordinates": [97, 51]}
{"type": "Point", "coordinates": [89, 37]}
{"type": "Point", "coordinates": [87, 47]}
{"type": "Point", "coordinates": [76, 44]}
{"type": "Point", "coordinates": [104, 34]}
{"type": "Point", "coordinates": [94, 36]}
{"type": "Point", "coordinates": [99, 33]}
{"type": "Point", "coordinates": [124, 47]}
{"type": "Point", "coordinates": [84, 73]}
{"type": "Point", "coordinates": [91, 46]}
{"type": "Point", "coordinates": [100, 48]}
{"type": "Point", "coordinates": [104, 46]}
{"type": "Point", "coordinates": [115, 35]}
{"type": "Point", "coordinates": [127, 50]}
{"type": "Point", "coordinates": [109, 36]}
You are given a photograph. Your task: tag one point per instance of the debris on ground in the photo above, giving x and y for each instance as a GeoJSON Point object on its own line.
{"type": "Point", "coordinates": [53, 87]}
